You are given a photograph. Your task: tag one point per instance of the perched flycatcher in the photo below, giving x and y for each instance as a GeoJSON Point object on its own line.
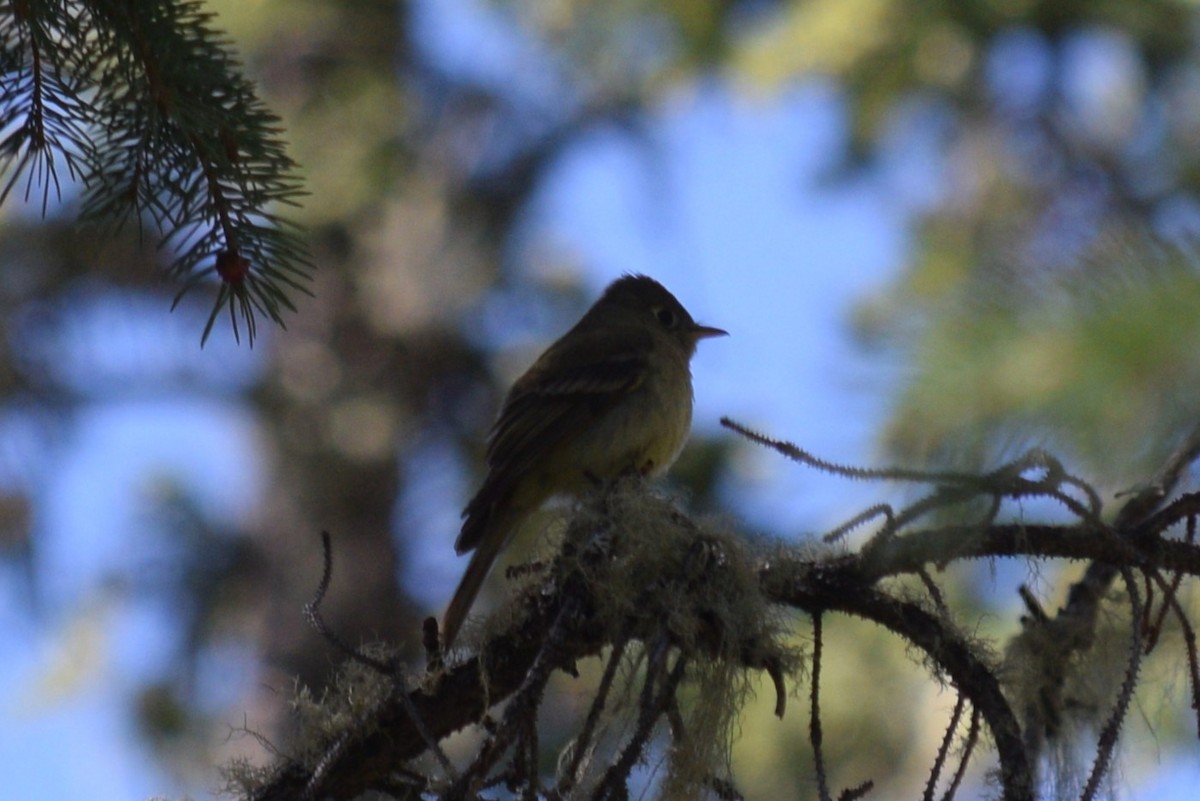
{"type": "Point", "coordinates": [612, 396]}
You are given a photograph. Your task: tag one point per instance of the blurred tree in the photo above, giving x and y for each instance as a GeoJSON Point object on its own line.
{"type": "Point", "coordinates": [143, 106]}
{"type": "Point", "coordinates": [1032, 306]}
{"type": "Point", "coordinates": [1036, 301]}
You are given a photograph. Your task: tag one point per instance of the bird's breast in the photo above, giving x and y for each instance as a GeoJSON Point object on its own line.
{"type": "Point", "coordinates": [646, 430]}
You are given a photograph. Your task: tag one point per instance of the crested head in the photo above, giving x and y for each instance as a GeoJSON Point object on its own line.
{"type": "Point", "coordinates": [637, 291]}
{"type": "Point", "coordinates": [646, 299]}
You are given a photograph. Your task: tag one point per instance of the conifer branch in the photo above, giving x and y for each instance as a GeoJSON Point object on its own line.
{"type": "Point", "coordinates": [144, 105]}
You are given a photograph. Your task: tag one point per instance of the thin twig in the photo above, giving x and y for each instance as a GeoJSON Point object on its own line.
{"type": "Point", "coordinates": [1107, 742]}
{"type": "Point", "coordinates": [312, 612]}
{"type": "Point", "coordinates": [529, 761]}
{"type": "Point", "coordinates": [967, 750]}
{"type": "Point", "coordinates": [1007, 480]}
{"type": "Point", "coordinates": [390, 668]}
{"type": "Point", "coordinates": [944, 749]}
{"type": "Point", "coordinates": [798, 454]}
{"type": "Point", "coordinates": [814, 721]}
{"type": "Point", "coordinates": [582, 743]}
{"type": "Point", "coordinates": [878, 510]}
{"type": "Point", "coordinates": [652, 706]}
{"type": "Point", "coordinates": [1189, 642]}
{"type": "Point", "coordinates": [1185, 506]}
{"type": "Point", "coordinates": [1170, 593]}
{"type": "Point", "coordinates": [1037, 612]}
{"type": "Point", "coordinates": [401, 689]}
{"type": "Point", "coordinates": [522, 707]}
{"type": "Point", "coordinates": [850, 593]}
{"type": "Point", "coordinates": [775, 670]}
{"type": "Point", "coordinates": [1189, 645]}
{"type": "Point", "coordinates": [1145, 500]}
{"type": "Point", "coordinates": [328, 759]}
{"type": "Point", "coordinates": [855, 793]}
{"type": "Point", "coordinates": [934, 591]}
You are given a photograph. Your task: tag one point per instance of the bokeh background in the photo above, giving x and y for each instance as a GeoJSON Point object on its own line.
{"type": "Point", "coordinates": [939, 233]}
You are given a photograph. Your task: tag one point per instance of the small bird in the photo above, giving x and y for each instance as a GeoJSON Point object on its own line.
{"type": "Point", "coordinates": [612, 396]}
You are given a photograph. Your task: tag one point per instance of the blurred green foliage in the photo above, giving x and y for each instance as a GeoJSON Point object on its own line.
{"type": "Point", "coordinates": [1036, 301]}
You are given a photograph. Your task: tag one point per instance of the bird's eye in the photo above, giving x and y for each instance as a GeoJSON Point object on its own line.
{"type": "Point", "coordinates": [665, 316]}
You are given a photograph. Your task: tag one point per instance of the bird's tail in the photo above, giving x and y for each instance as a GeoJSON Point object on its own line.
{"type": "Point", "coordinates": [477, 570]}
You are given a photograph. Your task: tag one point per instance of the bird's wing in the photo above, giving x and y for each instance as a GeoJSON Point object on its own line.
{"type": "Point", "coordinates": [547, 405]}
{"type": "Point", "coordinates": [589, 375]}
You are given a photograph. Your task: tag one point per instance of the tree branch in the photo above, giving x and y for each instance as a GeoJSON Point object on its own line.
{"type": "Point", "coordinates": [461, 693]}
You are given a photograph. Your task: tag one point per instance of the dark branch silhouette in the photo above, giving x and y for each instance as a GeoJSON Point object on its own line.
{"type": "Point", "coordinates": [675, 602]}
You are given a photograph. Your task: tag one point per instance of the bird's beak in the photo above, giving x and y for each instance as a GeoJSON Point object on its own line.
{"type": "Point", "coordinates": [700, 332]}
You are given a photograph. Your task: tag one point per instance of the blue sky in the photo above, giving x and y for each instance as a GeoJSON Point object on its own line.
{"type": "Point", "coordinates": [723, 198]}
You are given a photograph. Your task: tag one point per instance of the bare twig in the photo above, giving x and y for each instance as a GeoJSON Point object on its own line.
{"type": "Point", "coordinates": [1033, 606]}
{"type": "Point", "coordinates": [1185, 506]}
{"type": "Point", "coordinates": [855, 793]}
{"type": "Point", "coordinates": [838, 591]}
{"type": "Point", "coordinates": [328, 759]}
{"type": "Point", "coordinates": [1170, 593]}
{"type": "Point", "coordinates": [401, 691]}
{"type": "Point", "coordinates": [878, 510]}
{"type": "Point", "coordinates": [1189, 642]}
{"type": "Point", "coordinates": [814, 720]}
{"type": "Point", "coordinates": [943, 751]}
{"type": "Point", "coordinates": [1148, 497]}
{"type": "Point", "coordinates": [390, 669]}
{"type": "Point", "coordinates": [934, 591]}
{"type": "Point", "coordinates": [1009, 479]}
{"type": "Point", "coordinates": [1112, 727]}
{"type": "Point", "coordinates": [967, 749]}
{"type": "Point", "coordinates": [652, 705]}
{"type": "Point", "coordinates": [775, 670]}
{"type": "Point", "coordinates": [312, 613]}
{"type": "Point", "coordinates": [798, 454]}
{"type": "Point", "coordinates": [582, 743]}
{"type": "Point", "coordinates": [521, 710]}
